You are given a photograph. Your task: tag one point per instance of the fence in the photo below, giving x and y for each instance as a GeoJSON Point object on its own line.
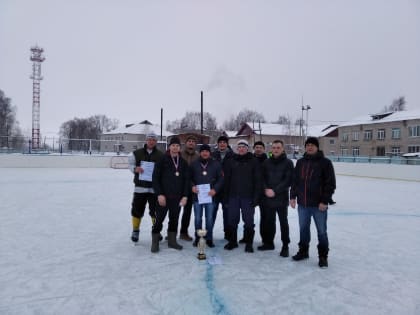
{"type": "Point", "coordinates": [70, 146]}
{"type": "Point", "coordinates": [95, 146]}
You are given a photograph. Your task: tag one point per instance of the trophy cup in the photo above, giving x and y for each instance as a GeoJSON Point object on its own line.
{"type": "Point", "coordinates": [201, 244]}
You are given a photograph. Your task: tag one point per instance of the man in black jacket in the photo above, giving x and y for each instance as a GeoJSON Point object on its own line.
{"type": "Point", "coordinates": [171, 185]}
{"type": "Point", "coordinates": [143, 190]}
{"type": "Point", "coordinates": [206, 173]}
{"type": "Point", "coordinates": [277, 174]}
{"type": "Point", "coordinates": [223, 154]}
{"type": "Point", "coordinates": [313, 186]}
{"type": "Point", "coordinates": [242, 190]}
{"type": "Point", "coordinates": [189, 154]}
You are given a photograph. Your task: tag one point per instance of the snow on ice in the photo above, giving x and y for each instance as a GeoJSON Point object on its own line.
{"type": "Point", "coordinates": [65, 249]}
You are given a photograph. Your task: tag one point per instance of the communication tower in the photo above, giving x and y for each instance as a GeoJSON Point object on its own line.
{"type": "Point", "coordinates": [37, 59]}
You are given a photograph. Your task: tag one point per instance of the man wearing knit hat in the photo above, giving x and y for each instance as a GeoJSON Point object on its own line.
{"type": "Point", "coordinates": [171, 185]}
{"type": "Point", "coordinates": [313, 186]}
{"type": "Point", "coordinates": [143, 190]}
{"type": "Point", "coordinates": [223, 154]}
{"type": "Point", "coordinates": [205, 173]}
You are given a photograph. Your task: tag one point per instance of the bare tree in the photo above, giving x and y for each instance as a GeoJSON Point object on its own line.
{"type": "Point", "coordinates": [397, 105]}
{"type": "Point", "coordinates": [10, 131]}
{"type": "Point", "coordinates": [244, 116]}
{"type": "Point", "coordinates": [86, 128]}
{"type": "Point", "coordinates": [283, 120]}
{"type": "Point", "coordinates": [192, 121]}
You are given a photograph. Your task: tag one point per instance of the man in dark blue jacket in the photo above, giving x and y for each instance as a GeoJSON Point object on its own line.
{"type": "Point", "coordinates": [313, 186]}
{"type": "Point", "coordinates": [206, 174]}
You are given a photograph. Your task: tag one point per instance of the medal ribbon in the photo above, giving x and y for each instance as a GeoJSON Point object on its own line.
{"type": "Point", "coordinates": [175, 163]}
{"type": "Point", "coordinates": [204, 166]}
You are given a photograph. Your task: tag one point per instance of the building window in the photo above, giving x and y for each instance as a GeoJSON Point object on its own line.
{"type": "Point", "coordinates": [355, 151]}
{"type": "Point", "coordinates": [355, 136]}
{"type": "Point", "coordinates": [345, 137]}
{"type": "Point", "coordinates": [367, 135]}
{"type": "Point", "coordinates": [344, 151]}
{"type": "Point", "coordinates": [414, 131]}
{"type": "Point", "coordinates": [381, 134]}
{"type": "Point", "coordinates": [380, 151]}
{"type": "Point", "coordinates": [413, 148]}
{"type": "Point", "coordinates": [396, 133]}
{"type": "Point", "coordinates": [332, 141]}
{"type": "Point", "coordinates": [395, 150]}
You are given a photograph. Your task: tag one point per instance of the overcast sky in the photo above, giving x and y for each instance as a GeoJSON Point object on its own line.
{"type": "Point", "coordinates": [127, 59]}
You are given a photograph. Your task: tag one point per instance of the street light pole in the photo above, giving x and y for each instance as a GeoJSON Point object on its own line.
{"type": "Point", "coordinates": [304, 136]}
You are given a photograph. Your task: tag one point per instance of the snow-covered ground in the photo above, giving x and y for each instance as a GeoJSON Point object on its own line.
{"type": "Point", "coordinates": [65, 249]}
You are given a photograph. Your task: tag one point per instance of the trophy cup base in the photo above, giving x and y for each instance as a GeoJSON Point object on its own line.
{"type": "Point", "coordinates": [201, 256]}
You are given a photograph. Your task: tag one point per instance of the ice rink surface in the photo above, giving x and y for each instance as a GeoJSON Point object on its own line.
{"type": "Point", "coordinates": [65, 249]}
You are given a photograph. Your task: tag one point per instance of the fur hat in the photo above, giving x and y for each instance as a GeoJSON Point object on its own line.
{"type": "Point", "coordinates": [205, 147]}
{"type": "Point", "coordinates": [223, 138]}
{"type": "Point", "coordinates": [175, 140]}
{"type": "Point", "coordinates": [191, 137]}
{"type": "Point", "coordinates": [312, 140]}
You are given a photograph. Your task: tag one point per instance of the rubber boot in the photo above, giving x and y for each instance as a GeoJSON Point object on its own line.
{"type": "Point", "coordinates": [323, 257]}
{"type": "Point", "coordinates": [155, 242]}
{"type": "Point", "coordinates": [172, 241]}
{"type": "Point", "coordinates": [303, 252]}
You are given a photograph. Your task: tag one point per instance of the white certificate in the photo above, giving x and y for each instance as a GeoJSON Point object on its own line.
{"type": "Point", "coordinates": [147, 170]}
{"type": "Point", "coordinates": [203, 194]}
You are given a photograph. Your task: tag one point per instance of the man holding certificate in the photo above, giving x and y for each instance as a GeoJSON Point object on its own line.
{"type": "Point", "coordinates": [141, 163]}
{"type": "Point", "coordinates": [206, 180]}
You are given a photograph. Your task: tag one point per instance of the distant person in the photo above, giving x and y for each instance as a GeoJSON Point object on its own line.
{"type": "Point", "coordinates": [205, 171]}
{"type": "Point", "coordinates": [143, 190]}
{"type": "Point", "coordinates": [277, 174]}
{"type": "Point", "coordinates": [189, 154]}
{"type": "Point", "coordinates": [242, 191]}
{"type": "Point", "coordinates": [313, 185]}
{"type": "Point", "coordinates": [171, 185]}
{"type": "Point", "coordinates": [223, 154]}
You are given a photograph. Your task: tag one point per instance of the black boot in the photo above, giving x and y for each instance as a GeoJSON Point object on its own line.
{"type": "Point", "coordinates": [243, 239]}
{"type": "Point", "coordinates": [249, 238]}
{"type": "Point", "coordinates": [303, 253]}
{"type": "Point", "coordinates": [266, 246]}
{"type": "Point", "coordinates": [172, 241]}
{"type": "Point", "coordinates": [155, 242]}
{"type": "Point", "coordinates": [232, 238]}
{"type": "Point", "coordinates": [323, 257]}
{"type": "Point", "coordinates": [284, 251]}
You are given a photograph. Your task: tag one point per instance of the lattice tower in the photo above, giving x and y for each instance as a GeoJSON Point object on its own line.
{"type": "Point", "coordinates": [37, 59]}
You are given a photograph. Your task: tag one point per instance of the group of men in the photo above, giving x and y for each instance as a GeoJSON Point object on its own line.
{"type": "Point", "coordinates": [238, 182]}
